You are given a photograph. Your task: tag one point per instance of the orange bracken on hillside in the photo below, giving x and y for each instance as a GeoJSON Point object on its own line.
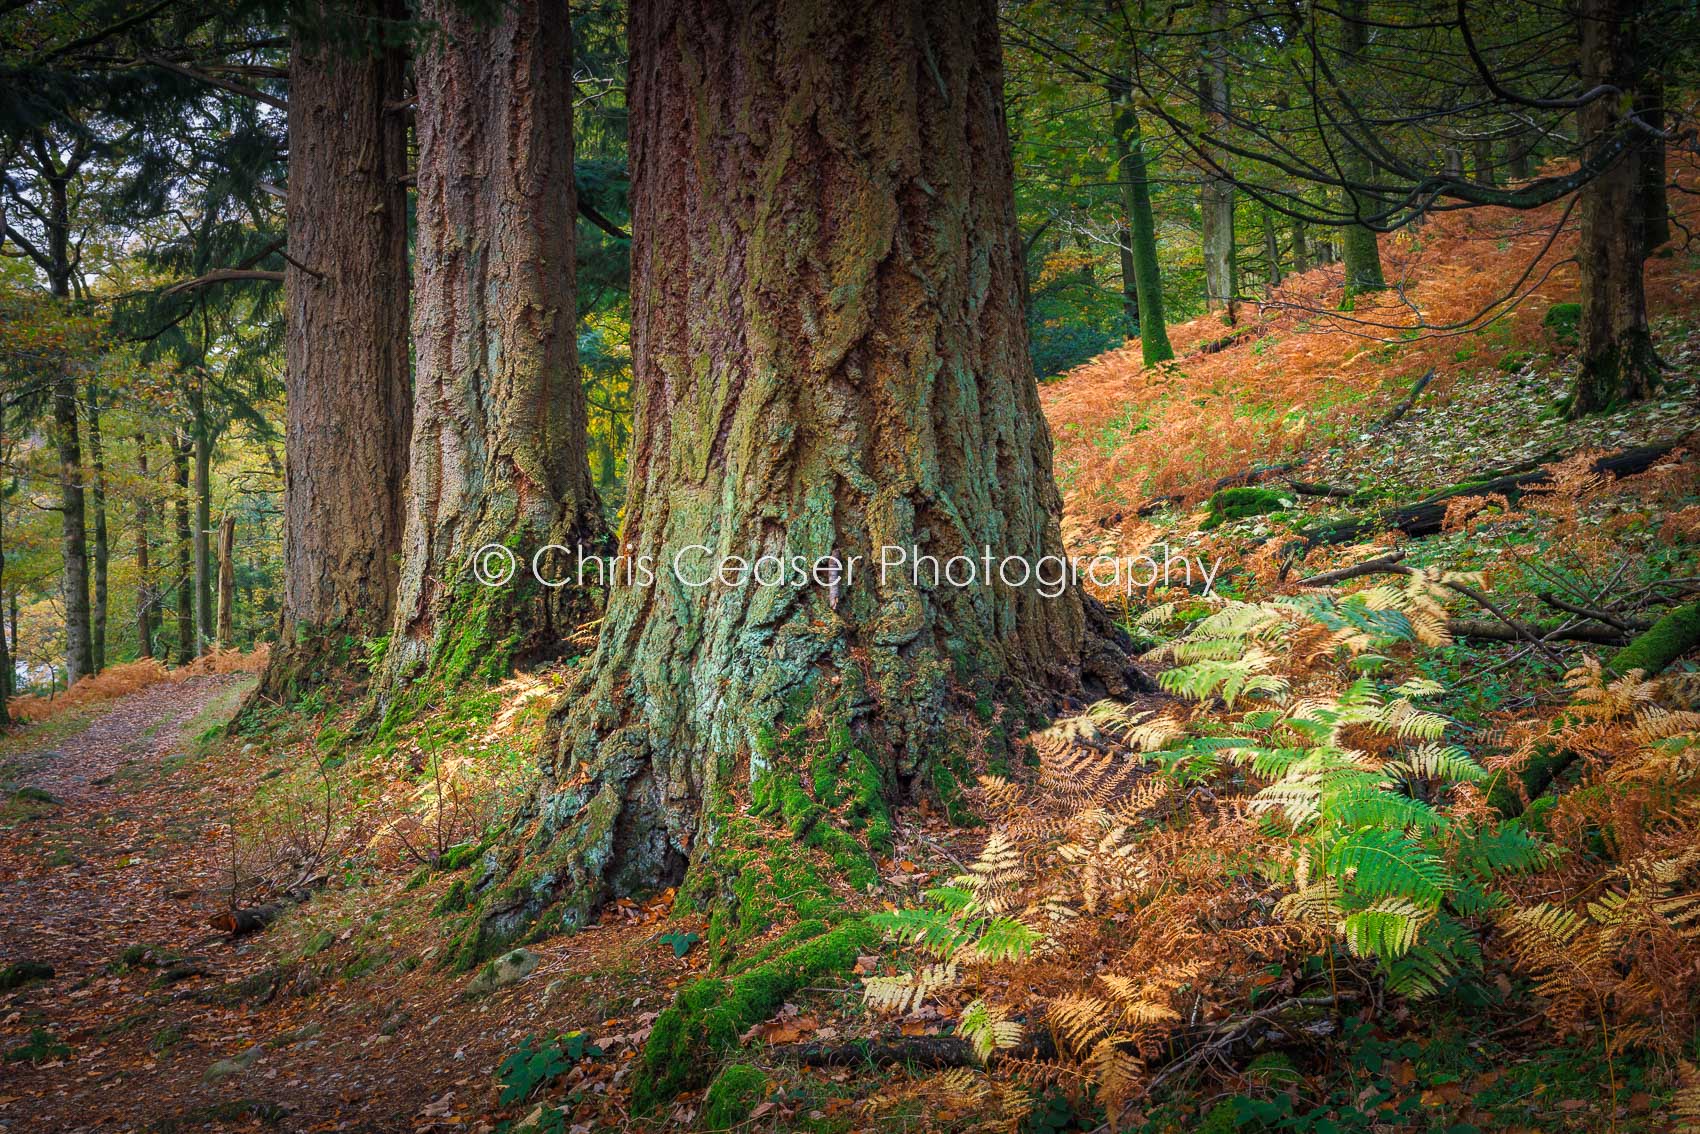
{"type": "Point", "coordinates": [1125, 432]}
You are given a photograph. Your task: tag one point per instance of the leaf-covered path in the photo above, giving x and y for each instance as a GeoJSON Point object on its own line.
{"type": "Point", "coordinates": [115, 856]}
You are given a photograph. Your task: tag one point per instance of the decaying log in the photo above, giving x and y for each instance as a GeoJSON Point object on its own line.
{"type": "Point", "coordinates": [1427, 516]}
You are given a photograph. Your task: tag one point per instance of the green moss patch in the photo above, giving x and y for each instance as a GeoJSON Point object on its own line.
{"type": "Point", "coordinates": [1239, 503]}
{"type": "Point", "coordinates": [735, 1092]}
{"type": "Point", "coordinates": [709, 1016]}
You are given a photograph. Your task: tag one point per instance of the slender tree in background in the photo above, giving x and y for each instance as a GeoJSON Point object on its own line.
{"type": "Point", "coordinates": [6, 667]}
{"type": "Point", "coordinates": [99, 554]}
{"type": "Point", "coordinates": [1618, 363]}
{"type": "Point", "coordinates": [499, 451]}
{"type": "Point", "coordinates": [830, 359]}
{"type": "Point", "coordinates": [1361, 247]}
{"type": "Point", "coordinates": [1216, 189]}
{"type": "Point", "coordinates": [225, 631]}
{"type": "Point", "coordinates": [346, 377]}
{"type": "Point", "coordinates": [145, 594]}
{"type": "Point", "coordinates": [55, 164]}
{"type": "Point", "coordinates": [1272, 247]}
{"type": "Point", "coordinates": [1141, 224]}
{"type": "Point", "coordinates": [187, 646]}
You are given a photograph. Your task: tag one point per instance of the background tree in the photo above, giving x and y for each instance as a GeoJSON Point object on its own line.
{"type": "Point", "coordinates": [346, 378]}
{"type": "Point", "coordinates": [499, 442]}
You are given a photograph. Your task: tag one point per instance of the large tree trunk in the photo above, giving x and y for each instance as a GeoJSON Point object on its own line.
{"type": "Point", "coordinates": [346, 374]}
{"type": "Point", "coordinates": [99, 555]}
{"type": "Point", "coordinates": [1617, 363]}
{"type": "Point", "coordinates": [830, 358]}
{"type": "Point", "coordinates": [144, 580]}
{"type": "Point", "coordinates": [499, 442]}
{"type": "Point", "coordinates": [1141, 225]}
{"type": "Point", "coordinates": [187, 647]}
{"type": "Point", "coordinates": [1361, 248]}
{"type": "Point", "coordinates": [1216, 193]}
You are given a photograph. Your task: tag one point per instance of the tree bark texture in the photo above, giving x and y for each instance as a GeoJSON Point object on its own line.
{"type": "Point", "coordinates": [499, 452]}
{"type": "Point", "coordinates": [1617, 363]}
{"type": "Point", "coordinates": [346, 374]}
{"type": "Point", "coordinates": [830, 357]}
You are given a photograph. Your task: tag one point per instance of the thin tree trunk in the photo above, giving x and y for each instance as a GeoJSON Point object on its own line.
{"type": "Point", "coordinates": [100, 556]}
{"type": "Point", "coordinates": [144, 579]}
{"type": "Point", "coordinates": [830, 359]}
{"type": "Point", "coordinates": [1481, 150]}
{"type": "Point", "coordinates": [226, 637]}
{"type": "Point", "coordinates": [79, 643]}
{"type": "Point", "coordinates": [204, 629]}
{"type": "Point", "coordinates": [1141, 224]}
{"type": "Point", "coordinates": [12, 603]}
{"type": "Point", "coordinates": [499, 450]}
{"type": "Point", "coordinates": [7, 673]}
{"type": "Point", "coordinates": [1216, 192]}
{"type": "Point", "coordinates": [1617, 362]}
{"type": "Point", "coordinates": [1655, 207]}
{"type": "Point", "coordinates": [346, 372]}
{"type": "Point", "coordinates": [1518, 150]}
{"type": "Point", "coordinates": [187, 647]}
{"type": "Point", "coordinates": [1301, 251]}
{"type": "Point", "coordinates": [1129, 275]}
{"type": "Point", "coordinates": [1361, 247]}
{"type": "Point", "coordinates": [1272, 246]}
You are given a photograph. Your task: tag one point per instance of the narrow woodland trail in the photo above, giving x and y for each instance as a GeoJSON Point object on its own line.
{"type": "Point", "coordinates": [333, 1021]}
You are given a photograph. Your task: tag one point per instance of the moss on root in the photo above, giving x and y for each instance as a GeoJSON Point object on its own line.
{"type": "Point", "coordinates": [735, 1092]}
{"type": "Point", "coordinates": [709, 1016]}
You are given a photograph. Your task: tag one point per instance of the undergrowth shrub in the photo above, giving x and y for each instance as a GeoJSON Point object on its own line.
{"type": "Point", "coordinates": [1295, 835]}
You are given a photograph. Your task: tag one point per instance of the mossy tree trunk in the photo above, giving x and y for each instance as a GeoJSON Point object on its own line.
{"type": "Point", "coordinates": [499, 453]}
{"type": "Point", "coordinates": [1141, 226]}
{"type": "Point", "coordinates": [346, 372]}
{"type": "Point", "coordinates": [1617, 363]}
{"type": "Point", "coordinates": [830, 357]}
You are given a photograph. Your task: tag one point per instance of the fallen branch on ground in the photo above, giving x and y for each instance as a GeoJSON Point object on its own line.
{"type": "Point", "coordinates": [1404, 407]}
{"type": "Point", "coordinates": [1428, 516]}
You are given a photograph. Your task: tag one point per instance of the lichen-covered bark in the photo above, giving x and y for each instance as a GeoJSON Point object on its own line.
{"type": "Point", "coordinates": [499, 450]}
{"type": "Point", "coordinates": [346, 373]}
{"type": "Point", "coordinates": [830, 357]}
{"type": "Point", "coordinates": [1617, 362]}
